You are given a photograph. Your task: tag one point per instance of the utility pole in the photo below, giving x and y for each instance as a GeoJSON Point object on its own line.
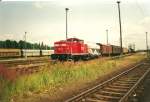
{"type": "Point", "coordinates": [107, 36]}
{"type": "Point", "coordinates": [25, 45]}
{"type": "Point", "coordinates": [107, 42]}
{"type": "Point", "coordinates": [118, 2]}
{"type": "Point", "coordinates": [146, 44]}
{"type": "Point", "coordinates": [66, 22]}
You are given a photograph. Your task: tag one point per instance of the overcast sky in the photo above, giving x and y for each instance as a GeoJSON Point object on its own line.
{"type": "Point", "coordinates": [87, 19]}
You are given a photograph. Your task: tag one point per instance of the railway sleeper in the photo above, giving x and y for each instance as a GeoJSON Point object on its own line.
{"type": "Point", "coordinates": [115, 90]}
{"type": "Point", "coordinates": [135, 96]}
{"type": "Point", "coordinates": [106, 97]}
{"type": "Point", "coordinates": [139, 91]}
{"type": "Point", "coordinates": [122, 84]}
{"type": "Point", "coordinates": [131, 77]}
{"type": "Point", "coordinates": [94, 100]}
{"type": "Point", "coordinates": [111, 93]}
{"type": "Point", "coordinates": [128, 80]}
{"type": "Point", "coordinates": [119, 87]}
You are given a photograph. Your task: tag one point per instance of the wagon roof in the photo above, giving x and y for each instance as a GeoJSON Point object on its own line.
{"type": "Point", "coordinates": [103, 44]}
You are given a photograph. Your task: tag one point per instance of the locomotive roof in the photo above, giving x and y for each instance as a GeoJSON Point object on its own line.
{"type": "Point", "coordinates": [71, 39]}
{"type": "Point", "coordinates": [74, 39]}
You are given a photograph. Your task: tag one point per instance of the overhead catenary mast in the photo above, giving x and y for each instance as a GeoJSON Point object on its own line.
{"type": "Point", "coordinates": [107, 36]}
{"type": "Point", "coordinates": [118, 2]}
{"type": "Point", "coordinates": [66, 22]}
{"type": "Point", "coordinates": [146, 44]}
{"type": "Point", "coordinates": [25, 45]}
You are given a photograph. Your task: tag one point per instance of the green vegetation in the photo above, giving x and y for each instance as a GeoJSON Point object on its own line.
{"type": "Point", "coordinates": [57, 75]}
{"type": "Point", "coordinates": [21, 45]}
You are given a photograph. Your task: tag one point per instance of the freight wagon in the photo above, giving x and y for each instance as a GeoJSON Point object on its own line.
{"type": "Point", "coordinates": [111, 50]}
{"type": "Point", "coordinates": [116, 50]}
{"type": "Point", "coordinates": [10, 53]}
{"type": "Point", "coordinates": [125, 50]}
{"type": "Point", "coordinates": [5, 53]}
{"type": "Point", "coordinates": [105, 49]}
{"type": "Point", "coordinates": [31, 53]}
{"type": "Point", "coordinates": [47, 52]}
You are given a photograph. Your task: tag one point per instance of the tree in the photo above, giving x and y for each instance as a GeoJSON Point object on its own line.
{"type": "Point", "coordinates": [21, 44]}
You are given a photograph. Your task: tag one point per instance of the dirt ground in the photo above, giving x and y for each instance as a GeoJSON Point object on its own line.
{"type": "Point", "coordinates": [65, 92]}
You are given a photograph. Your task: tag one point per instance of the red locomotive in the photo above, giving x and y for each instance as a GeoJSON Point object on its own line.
{"type": "Point", "coordinates": [72, 48]}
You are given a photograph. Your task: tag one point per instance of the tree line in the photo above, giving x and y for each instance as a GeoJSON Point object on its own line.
{"type": "Point", "coordinates": [23, 45]}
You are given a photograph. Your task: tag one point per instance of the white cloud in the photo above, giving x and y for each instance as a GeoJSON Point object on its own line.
{"type": "Point", "coordinates": [11, 37]}
{"type": "Point", "coordinates": [135, 33]}
{"type": "Point", "coordinates": [145, 23]}
{"type": "Point", "coordinates": [38, 4]}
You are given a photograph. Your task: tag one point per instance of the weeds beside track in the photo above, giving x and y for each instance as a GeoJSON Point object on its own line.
{"type": "Point", "coordinates": [57, 75]}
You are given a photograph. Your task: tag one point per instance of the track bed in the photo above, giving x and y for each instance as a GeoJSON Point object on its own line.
{"type": "Point", "coordinates": [121, 88]}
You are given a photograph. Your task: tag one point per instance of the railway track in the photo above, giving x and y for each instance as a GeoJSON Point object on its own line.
{"type": "Point", "coordinates": [14, 63]}
{"type": "Point", "coordinates": [12, 69]}
{"type": "Point", "coordinates": [121, 88]}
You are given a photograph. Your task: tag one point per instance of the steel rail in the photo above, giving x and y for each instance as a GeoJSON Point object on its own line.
{"type": "Point", "coordinates": [99, 86]}
{"type": "Point", "coordinates": [134, 87]}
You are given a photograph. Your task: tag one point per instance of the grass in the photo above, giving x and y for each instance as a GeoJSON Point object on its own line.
{"type": "Point", "coordinates": [57, 75]}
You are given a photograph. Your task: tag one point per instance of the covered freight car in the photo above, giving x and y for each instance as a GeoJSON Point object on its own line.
{"type": "Point", "coordinates": [116, 50]}
{"type": "Point", "coordinates": [125, 51]}
{"type": "Point", "coordinates": [10, 53]}
{"type": "Point", "coordinates": [105, 49]}
{"type": "Point", "coordinates": [29, 52]}
{"type": "Point", "coordinates": [5, 53]}
{"type": "Point", "coordinates": [47, 52]}
{"type": "Point", "coordinates": [36, 53]}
